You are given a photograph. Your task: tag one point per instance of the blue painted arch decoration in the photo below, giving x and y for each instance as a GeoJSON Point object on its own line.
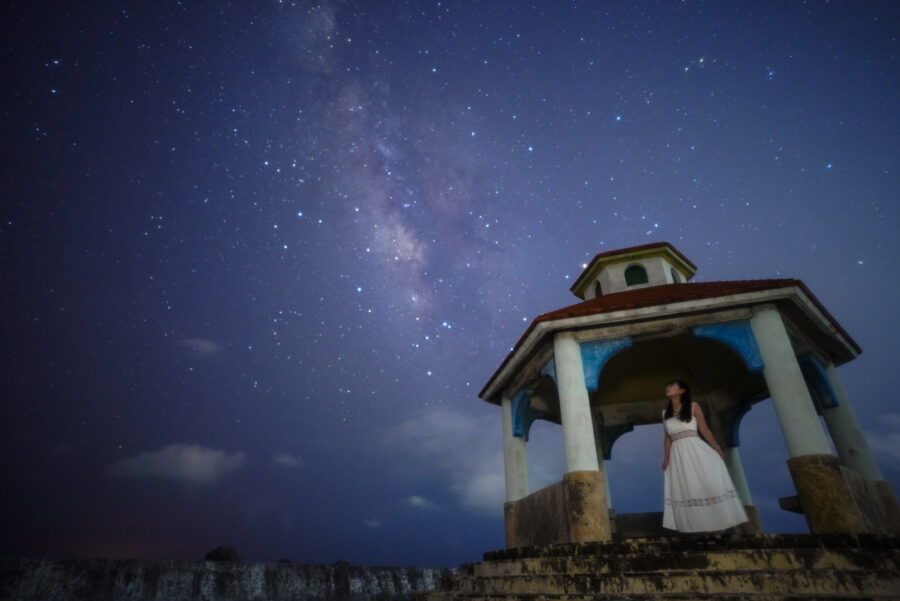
{"type": "Point", "coordinates": [738, 336]}
{"type": "Point", "coordinates": [817, 382]}
{"type": "Point", "coordinates": [523, 414]}
{"type": "Point", "coordinates": [595, 354]}
{"type": "Point", "coordinates": [549, 370]}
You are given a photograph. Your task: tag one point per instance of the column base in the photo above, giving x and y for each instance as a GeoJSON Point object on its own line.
{"type": "Point", "coordinates": [571, 511]}
{"type": "Point", "coordinates": [753, 524]}
{"type": "Point", "coordinates": [889, 505]}
{"type": "Point", "coordinates": [587, 507]}
{"type": "Point", "coordinates": [826, 500]}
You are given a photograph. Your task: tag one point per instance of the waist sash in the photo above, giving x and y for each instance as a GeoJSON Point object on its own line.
{"type": "Point", "coordinates": [685, 434]}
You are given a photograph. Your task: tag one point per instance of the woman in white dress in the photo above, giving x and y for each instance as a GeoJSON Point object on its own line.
{"type": "Point", "coordinates": [700, 496]}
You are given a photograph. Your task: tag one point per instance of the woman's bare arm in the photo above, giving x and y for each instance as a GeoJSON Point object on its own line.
{"type": "Point", "coordinates": [704, 429]}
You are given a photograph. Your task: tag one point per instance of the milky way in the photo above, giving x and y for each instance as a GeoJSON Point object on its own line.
{"type": "Point", "coordinates": [261, 257]}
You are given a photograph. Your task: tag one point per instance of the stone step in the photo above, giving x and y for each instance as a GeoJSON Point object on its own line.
{"type": "Point", "coordinates": [677, 544]}
{"type": "Point", "coordinates": [445, 596]}
{"type": "Point", "coordinates": [780, 581]}
{"type": "Point", "coordinates": [723, 559]}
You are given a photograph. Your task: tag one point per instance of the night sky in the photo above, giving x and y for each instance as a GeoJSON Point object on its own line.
{"type": "Point", "coordinates": [260, 257]}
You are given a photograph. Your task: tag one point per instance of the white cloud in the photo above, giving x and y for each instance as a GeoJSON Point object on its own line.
{"type": "Point", "coordinates": [420, 502]}
{"type": "Point", "coordinates": [890, 420]}
{"type": "Point", "coordinates": [885, 441]}
{"type": "Point", "coordinates": [372, 522]}
{"type": "Point", "coordinates": [887, 446]}
{"type": "Point", "coordinates": [464, 450]}
{"type": "Point", "coordinates": [187, 464]}
{"type": "Point", "coordinates": [287, 460]}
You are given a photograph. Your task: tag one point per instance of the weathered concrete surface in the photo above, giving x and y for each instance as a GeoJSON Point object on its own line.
{"type": "Point", "coordinates": [133, 580]}
{"type": "Point", "coordinates": [889, 504]}
{"type": "Point", "coordinates": [753, 525]}
{"type": "Point", "coordinates": [826, 496]}
{"type": "Point", "coordinates": [570, 511]}
{"type": "Point", "coordinates": [761, 568]}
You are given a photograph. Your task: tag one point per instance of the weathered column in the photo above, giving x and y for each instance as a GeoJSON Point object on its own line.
{"type": "Point", "coordinates": [853, 449]}
{"type": "Point", "coordinates": [601, 463]}
{"type": "Point", "coordinates": [825, 499]}
{"type": "Point", "coordinates": [849, 441]}
{"type": "Point", "coordinates": [574, 406]}
{"type": "Point", "coordinates": [796, 413]}
{"type": "Point", "coordinates": [736, 471]}
{"type": "Point", "coordinates": [584, 490]}
{"type": "Point", "coordinates": [515, 459]}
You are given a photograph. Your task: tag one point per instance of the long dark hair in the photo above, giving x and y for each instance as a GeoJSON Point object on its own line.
{"type": "Point", "coordinates": [685, 413]}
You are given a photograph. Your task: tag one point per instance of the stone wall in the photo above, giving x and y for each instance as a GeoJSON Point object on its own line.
{"type": "Point", "coordinates": [570, 511]}
{"type": "Point", "coordinates": [134, 580]}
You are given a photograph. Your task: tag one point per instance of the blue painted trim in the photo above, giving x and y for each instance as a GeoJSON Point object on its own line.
{"type": "Point", "coordinates": [523, 414]}
{"type": "Point", "coordinates": [738, 336]}
{"type": "Point", "coordinates": [549, 370]}
{"type": "Point", "coordinates": [818, 382]}
{"type": "Point", "coordinates": [609, 435]}
{"type": "Point", "coordinates": [595, 354]}
{"type": "Point", "coordinates": [731, 418]}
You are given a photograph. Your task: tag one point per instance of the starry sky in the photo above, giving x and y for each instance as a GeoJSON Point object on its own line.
{"type": "Point", "coordinates": [260, 257]}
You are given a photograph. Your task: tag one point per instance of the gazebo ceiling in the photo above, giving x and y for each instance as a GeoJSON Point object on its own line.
{"type": "Point", "coordinates": [640, 372]}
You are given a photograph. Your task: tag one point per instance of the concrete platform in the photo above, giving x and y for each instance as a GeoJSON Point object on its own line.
{"type": "Point", "coordinates": [758, 568]}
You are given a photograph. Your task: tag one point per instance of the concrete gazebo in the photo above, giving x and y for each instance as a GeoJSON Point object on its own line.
{"type": "Point", "coordinates": [598, 368]}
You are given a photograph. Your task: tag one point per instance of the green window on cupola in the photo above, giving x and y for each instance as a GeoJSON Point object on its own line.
{"type": "Point", "coordinates": [635, 275]}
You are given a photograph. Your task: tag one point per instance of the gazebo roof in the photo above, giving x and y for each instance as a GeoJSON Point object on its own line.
{"type": "Point", "coordinates": [669, 295]}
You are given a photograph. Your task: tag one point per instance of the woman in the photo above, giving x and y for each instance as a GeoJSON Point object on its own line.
{"type": "Point", "coordinates": [700, 496]}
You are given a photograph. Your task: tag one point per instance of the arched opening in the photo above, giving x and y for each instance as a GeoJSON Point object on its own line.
{"type": "Point", "coordinates": [675, 277]}
{"type": "Point", "coordinates": [630, 394]}
{"type": "Point", "coordinates": [636, 274]}
{"type": "Point", "coordinates": [598, 289]}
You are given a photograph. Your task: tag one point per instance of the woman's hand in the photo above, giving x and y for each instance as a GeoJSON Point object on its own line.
{"type": "Point", "coordinates": [705, 431]}
{"type": "Point", "coordinates": [665, 463]}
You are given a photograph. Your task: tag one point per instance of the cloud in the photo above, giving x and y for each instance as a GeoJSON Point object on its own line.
{"type": "Point", "coordinates": [887, 446]}
{"type": "Point", "coordinates": [420, 502]}
{"type": "Point", "coordinates": [465, 450]}
{"type": "Point", "coordinates": [890, 420]}
{"type": "Point", "coordinates": [287, 460]}
{"type": "Point", "coordinates": [372, 522]}
{"type": "Point", "coordinates": [201, 346]}
{"type": "Point", "coordinates": [885, 441]}
{"type": "Point", "coordinates": [187, 464]}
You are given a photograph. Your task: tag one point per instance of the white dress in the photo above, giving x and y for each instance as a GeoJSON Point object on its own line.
{"type": "Point", "coordinates": [700, 496]}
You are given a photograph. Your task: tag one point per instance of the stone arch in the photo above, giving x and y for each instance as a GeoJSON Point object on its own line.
{"type": "Point", "coordinates": [629, 388]}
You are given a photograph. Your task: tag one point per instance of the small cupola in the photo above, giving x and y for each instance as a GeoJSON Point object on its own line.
{"type": "Point", "coordinates": [654, 264]}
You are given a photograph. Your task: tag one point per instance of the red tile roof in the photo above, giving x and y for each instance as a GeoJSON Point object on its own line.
{"type": "Point", "coordinates": [660, 295]}
{"type": "Point", "coordinates": [630, 249]}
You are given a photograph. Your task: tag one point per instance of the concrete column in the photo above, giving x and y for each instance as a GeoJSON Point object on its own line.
{"type": "Point", "coordinates": [849, 441]}
{"type": "Point", "coordinates": [515, 460]}
{"type": "Point", "coordinates": [601, 464]}
{"type": "Point", "coordinates": [736, 471]}
{"type": "Point", "coordinates": [796, 413]}
{"type": "Point", "coordinates": [574, 406]}
{"type": "Point", "coordinates": [827, 501]}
